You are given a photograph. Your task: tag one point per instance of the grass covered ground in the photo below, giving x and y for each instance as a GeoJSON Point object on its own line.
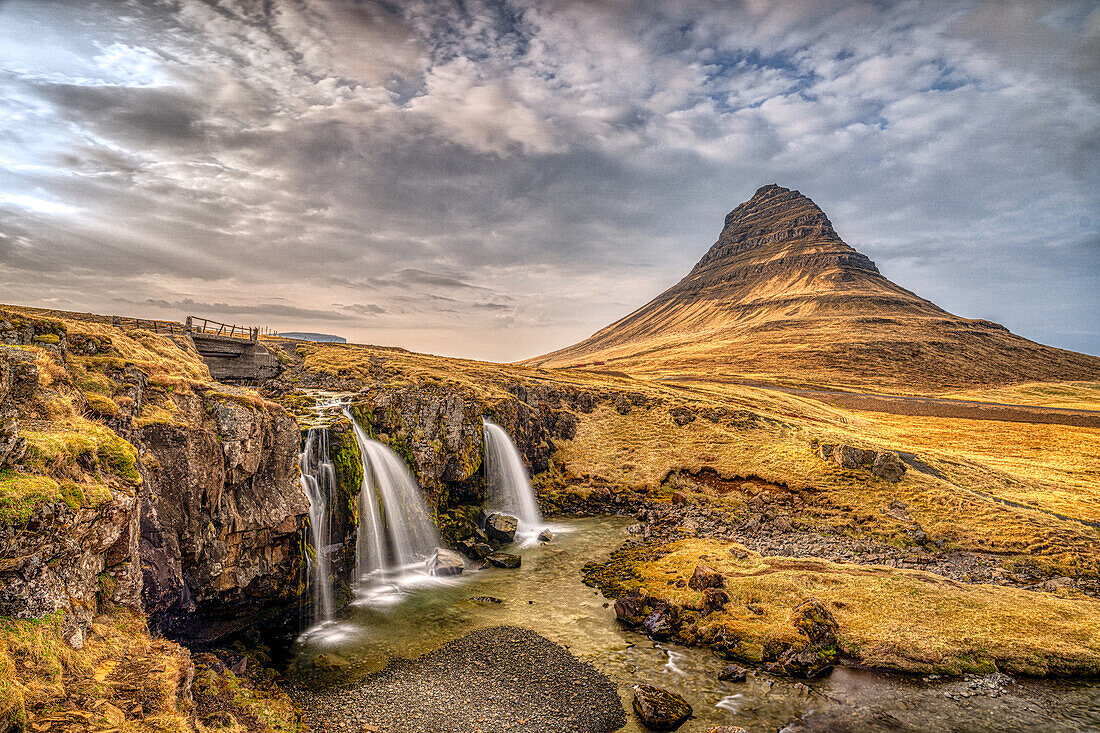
{"type": "Point", "coordinates": [889, 618]}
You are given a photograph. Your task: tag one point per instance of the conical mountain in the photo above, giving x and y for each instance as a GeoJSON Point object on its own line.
{"type": "Point", "coordinates": [781, 297]}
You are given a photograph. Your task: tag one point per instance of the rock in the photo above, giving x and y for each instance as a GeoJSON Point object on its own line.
{"type": "Point", "coordinates": [660, 709]}
{"type": "Point", "coordinates": [887, 465]}
{"type": "Point", "coordinates": [504, 560]}
{"type": "Point", "coordinates": [330, 661]}
{"type": "Point", "coordinates": [622, 405]}
{"type": "Point", "coordinates": [545, 536]}
{"type": "Point", "coordinates": [636, 528]}
{"type": "Point", "coordinates": [804, 662]}
{"type": "Point", "coordinates": [825, 451]}
{"type": "Point", "coordinates": [240, 667]}
{"type": "Point", "coordinates": [632, 608]}
{"type": "Point", "coordinates": [848, 457]}
{"type": "Point", "coordinates": [445, 562]}
{"type": "Point", "coordinates": [501, 527]}
{"type": "Point", "coordinates": [486, 599]}
{"type": "Point", "coordinates": [728, 729]}
{"type": "Point", "coordinates": [714, 599]}
{"type": "Point", "coordinates": [733, 673]}
{"type": "Point", "coordinates": [681, 415]}
{"type": "Point", "coordinates": [706, 577]}
{"type": "Point", "coordinates": [783, 524]}
{"type": "Point", "coordinates": [662, 623]}
{"type": "Point", "coordinates": [814, 620]}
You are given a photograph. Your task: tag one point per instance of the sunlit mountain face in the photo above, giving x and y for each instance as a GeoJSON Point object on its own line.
{"type": "Point", "coordinates": [502, 179]}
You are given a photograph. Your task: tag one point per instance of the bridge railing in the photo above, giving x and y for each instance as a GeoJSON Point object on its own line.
{"type": "Point", "coordinates": [216, 328]}
{"type": "Point", "coordinates": [169, 328]}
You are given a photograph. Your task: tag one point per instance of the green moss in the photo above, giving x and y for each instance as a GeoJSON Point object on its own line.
{"type": "Point", "coordinates": [87, 446]}
{"type": "Point", "coordinates": [102, 406]}
{"type": "Point", "coordinates": [348, 465]}
{"type": "Point", "coordinates": [21, 494]}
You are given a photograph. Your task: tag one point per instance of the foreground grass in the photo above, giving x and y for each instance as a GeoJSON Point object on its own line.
{"type": "Point", "coordinates": [124, 680]}
{"type": "Point", "coordinates": [904, 620]}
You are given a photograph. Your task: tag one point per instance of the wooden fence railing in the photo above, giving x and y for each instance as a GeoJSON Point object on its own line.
{"type": "Point", "coordinates": [215, 328]}
{"type": "Point", "coordinates": [169, 328]}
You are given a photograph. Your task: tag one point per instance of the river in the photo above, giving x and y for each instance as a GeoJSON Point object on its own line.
{"type": "Point", "coordinates": [546, 595]}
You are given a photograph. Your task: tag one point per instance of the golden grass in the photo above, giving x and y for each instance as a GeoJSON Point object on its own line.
{"type": "Point", "coordinates": [1068, 395]}
{"type": "Point", "coordinates": [896, 619]}
{"type": "Point", "coordinates": [121, 679]}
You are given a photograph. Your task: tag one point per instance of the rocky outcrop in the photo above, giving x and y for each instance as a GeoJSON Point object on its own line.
{"type": "Point", "coordinates": [438, 431]}
{"type": "Point", "coordinates": [221, 525]}
{"type": "Point", "coordinates": [884, 464]}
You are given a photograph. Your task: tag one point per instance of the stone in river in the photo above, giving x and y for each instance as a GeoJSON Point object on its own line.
{"type": "Point", "coordinates": [501, 527]}
{"type": "Point", "coordinates": [504, 560]}
{"type": "Point", "coordinates": [660, 709]}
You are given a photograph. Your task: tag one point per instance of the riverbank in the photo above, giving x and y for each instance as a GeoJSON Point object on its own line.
{"type": "Point", "coordinates": [497, 679]}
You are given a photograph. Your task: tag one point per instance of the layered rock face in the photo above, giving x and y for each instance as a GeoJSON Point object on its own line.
{"type": "Point", "coordinates": [438, 430]}
{"type": "Point", "coordinates": [221, 525]}
{"type": "Point", "coordinates": [781, 296]}
{"type": "Point", "coordinates": [180, 497]}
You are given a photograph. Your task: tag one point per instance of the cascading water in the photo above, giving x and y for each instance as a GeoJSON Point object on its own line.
{"type": "Point", "coordinates": [506, 480]}
{"type": "Point", "coordinates": [396, 534]}
{"type": "Point", "coordinates": [319, 486]}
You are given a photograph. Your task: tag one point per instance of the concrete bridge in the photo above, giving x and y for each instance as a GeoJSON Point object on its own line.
{"type": "Point", "coordinates": [232, 353]}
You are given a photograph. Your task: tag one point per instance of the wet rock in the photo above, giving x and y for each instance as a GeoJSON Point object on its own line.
{"type": "Point", "coordinates": [804, 662]}
{"type": "Point", "coordinates": [706, 577]}
{"type": "Point", "coordinates": [887, 465]}
{"type": "Point", "coordinates": [733, 673]}
{"type": "Point", "coordinates": [501, 527]}
{"type": "Point", "coordinates": [728, 729]}
{"type": "Point", "coordinates": [445, 563]}
{"type": "Point", "coordinates": [633, 607]}
{"type": "Point", "coordinates": [545, 536]}
{"type": "Point", "coordinates": [662, 623]}
{"type": "Point", "coordinates": [486, 599]}
{"type": "Point", "coordinates": [504, 560]}
{"type": "Point", "coordinates": [660, 709]}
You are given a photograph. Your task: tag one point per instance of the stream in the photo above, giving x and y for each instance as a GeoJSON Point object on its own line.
{"type": "Point", "coordinates": [546, 595]}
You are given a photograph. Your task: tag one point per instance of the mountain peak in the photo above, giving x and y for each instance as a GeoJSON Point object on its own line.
{"type": "Point", "coordinates": [776, 222]}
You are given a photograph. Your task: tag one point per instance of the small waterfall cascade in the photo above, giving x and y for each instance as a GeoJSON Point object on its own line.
{"type": "Point", "coordinates": [506, 480]}
{"type": "Point", "coordinates": [319, 485]}
{"type": "Point", "coordinates": [396, 534]}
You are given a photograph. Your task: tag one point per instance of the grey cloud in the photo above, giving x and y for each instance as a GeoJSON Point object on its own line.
{"type": "Point", "coordinates": [518, 174]}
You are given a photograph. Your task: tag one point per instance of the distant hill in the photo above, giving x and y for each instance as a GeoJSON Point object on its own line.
{"type": "Point", "coordinates": [781, 297]}
{"type": "Point", "coordinates": [326, 338]}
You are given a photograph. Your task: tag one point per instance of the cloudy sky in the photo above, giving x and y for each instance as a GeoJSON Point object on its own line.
{"type": "Point", "coordinates": [499, 179]}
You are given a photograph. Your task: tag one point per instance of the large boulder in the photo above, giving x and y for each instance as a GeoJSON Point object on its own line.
{"type": "Point", "coordinates": [633, 607]}
{"type": "Point", "coordinates": [848, 457]}
{"type": "Point", "coordinates": [662, 623]}
{"type": "Point", "coordinates": [501, 527]}
{"type": "Point", "coordinates": [445, 562]}
{"type": "Point", "coordinates": [706, 577]}
{"type": "Point", "coordinates": [660, 709]}
{"type": "Point", "coordinates": [887, 465]}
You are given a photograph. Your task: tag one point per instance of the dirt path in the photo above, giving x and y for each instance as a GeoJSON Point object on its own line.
{"type": "Point", "coordinates": [926, 406]}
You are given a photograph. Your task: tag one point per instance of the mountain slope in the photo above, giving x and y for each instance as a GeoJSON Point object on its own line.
{"type": "Point", "coordinates": [781, 297]}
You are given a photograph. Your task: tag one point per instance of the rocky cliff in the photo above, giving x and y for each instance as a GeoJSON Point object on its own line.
{"type": "Point", "coordinates": [129, 478]}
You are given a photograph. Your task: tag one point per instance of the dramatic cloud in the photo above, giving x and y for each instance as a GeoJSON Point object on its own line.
{"type": "Point", "coordinates": [498, 179]}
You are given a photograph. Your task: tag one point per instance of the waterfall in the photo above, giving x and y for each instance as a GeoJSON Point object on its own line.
{"type": "Point", "coordinates": [396, 534]}
{"type": "Point", "coordinates": [319, 486]}
{"type": "Point", "coordinates": [506, 480]}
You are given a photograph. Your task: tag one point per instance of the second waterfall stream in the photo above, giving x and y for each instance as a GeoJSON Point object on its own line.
{"type": "Point", "coordinates": [507, 484]}
{"type": "Point", "coordinates": [396, 534]}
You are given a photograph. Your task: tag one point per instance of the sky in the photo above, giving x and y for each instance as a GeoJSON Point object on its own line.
{"type": "Point", "coordinates": [500, 179]}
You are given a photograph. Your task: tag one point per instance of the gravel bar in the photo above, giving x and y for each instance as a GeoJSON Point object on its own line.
{"type": "Point", "coordinates": [497, 680]}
